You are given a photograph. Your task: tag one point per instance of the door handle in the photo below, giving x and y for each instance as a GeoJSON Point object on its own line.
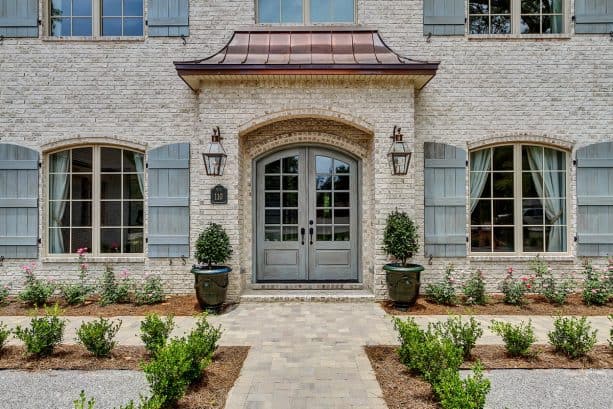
{"type": "Point", "coordinates": [302, 231]}
{"type": "Point", "coordinates": [311, 235]}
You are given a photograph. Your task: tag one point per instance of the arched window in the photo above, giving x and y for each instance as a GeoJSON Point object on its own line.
{"type": "Point", "coordinates": [95, 200]}
{"type": "Point", "coordinates": [518, 199]}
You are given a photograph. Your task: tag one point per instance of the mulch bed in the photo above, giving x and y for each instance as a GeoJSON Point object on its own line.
{"type": "Point", "coordinates": [535, 305]}
{"type": "Point", "coordinates": [210, 393]}
{"type": "Point", "coordinates": [180, 305]}
{"type": "Point", "coordinates": [403, 390]}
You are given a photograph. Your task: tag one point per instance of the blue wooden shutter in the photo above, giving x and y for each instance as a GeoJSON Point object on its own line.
{"type": "Point", "coordinates": [18, 202]}
{"type": "Point", "coordinates": [19, 18]}
{"type": "Point", "coordinates": [168, 18]}
{"type": "Point", "coordinates": [593, 16]}
{"type": "Point", "coordinates": [444, 17]}
{"type": "Point", "coordinates": [445, 200]}
{"type": "Point", "coordinates": [595, 200]}
{"type": "Point", "coordinates": [168, 199]}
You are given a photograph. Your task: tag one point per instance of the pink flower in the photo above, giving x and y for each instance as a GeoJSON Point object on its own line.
{"type": "Point", "coordinates": [524, 278]}
{"type": "Point", "coordinates": [510, 270]}
{"type": "Point", "coordinates": [528, 286]}
{"type": "Point", "coordinates": [124, 273]}
{"type": "Point", "coordinates": [594, 291]}
{"type": "Point", "coordinates": [84, 266]}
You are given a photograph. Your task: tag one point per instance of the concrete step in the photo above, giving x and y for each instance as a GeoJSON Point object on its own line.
{"type": "Point", "coordinates": [251, 296]}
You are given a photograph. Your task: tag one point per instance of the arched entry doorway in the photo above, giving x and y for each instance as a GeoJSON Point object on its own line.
{"type": "Point", "coordinates": [306, 216]}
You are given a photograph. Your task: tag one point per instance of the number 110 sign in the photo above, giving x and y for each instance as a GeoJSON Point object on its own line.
{"type": "Point", "coordinates": [219, 195]}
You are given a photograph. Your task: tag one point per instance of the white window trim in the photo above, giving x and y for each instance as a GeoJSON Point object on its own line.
{"type": "Point", "coordinates": [94, 253]}
{"type": "Point", "coordinates": [517, 207]}
{"type": "Point", "coordinates": [96, 26]}
{"type": "Point", "coordinates": [515, 24]}
{"type": "Point", "coordinates": [306, 16]}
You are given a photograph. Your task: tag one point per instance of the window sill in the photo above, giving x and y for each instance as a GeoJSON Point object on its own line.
{"type": "Point", "coordinates": [94, 259]}
{"type": "Point", "coordinates": [523, 257]}
{"type": "Point", "coordinates": [93, 39]}
{"type": "Point", "coordinates": [515, 37]}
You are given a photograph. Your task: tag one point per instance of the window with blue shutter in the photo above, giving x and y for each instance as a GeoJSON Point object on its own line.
{"type": "Point", "coordinates": [168, 198]}
{"type": "Point", "coordinates": [593, 16]}
{"type": "Point", "coordinates": [444, 17]}
{"type": "Point", "coordinates": [168, 18]}
{"type": "Point", "coordinates": [445, 200]}
{"type": "Point", "coordinates": [595, 200]}
{"type": "Point", "coordinates": [19, 18]}
{"type": "Point", "coordinates": [18, 202]}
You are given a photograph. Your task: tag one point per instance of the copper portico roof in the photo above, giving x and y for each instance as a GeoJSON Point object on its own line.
{"type": "Point", "coordinates": [306, 51]}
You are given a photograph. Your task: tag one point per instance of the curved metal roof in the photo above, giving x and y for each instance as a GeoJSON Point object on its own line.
{"type": "Point", "coordinates": [306, 51]}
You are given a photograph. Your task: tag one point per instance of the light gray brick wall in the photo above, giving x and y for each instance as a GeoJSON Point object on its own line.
{"type": "Point", "coordinates": [54, 93]}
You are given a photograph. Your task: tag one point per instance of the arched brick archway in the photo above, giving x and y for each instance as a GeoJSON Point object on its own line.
{"type": "Point", "coordinates": [259, 140]}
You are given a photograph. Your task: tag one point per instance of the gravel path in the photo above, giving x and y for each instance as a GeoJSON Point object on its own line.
{"type": "Point", "coordinates": [550, 389]}
{"type": "Point", "coordinates": [58, 389]}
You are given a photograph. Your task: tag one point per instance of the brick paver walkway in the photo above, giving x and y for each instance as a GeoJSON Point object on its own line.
{"type": "Point", "coordinates": [308, 355]}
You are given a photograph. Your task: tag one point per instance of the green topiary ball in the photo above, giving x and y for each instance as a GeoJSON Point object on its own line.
{"type": "Point", "coordinates": [400, 237]}
{"type": "Point", "coordinates": [213, 246]}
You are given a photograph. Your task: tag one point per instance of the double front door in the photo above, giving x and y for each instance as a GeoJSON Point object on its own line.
{"type": "Point", "coordinates": [306, 216]}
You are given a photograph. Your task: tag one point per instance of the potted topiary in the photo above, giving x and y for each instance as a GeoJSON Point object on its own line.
{"type": "Point", "coordinates": [211, 280]}
{"type": "Point", "coordinates": [400, 241]}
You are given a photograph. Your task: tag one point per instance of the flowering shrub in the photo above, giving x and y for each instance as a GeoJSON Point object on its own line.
{"type": "Point", "coordinates": [4, 334]}
{"type": "Point", "coordinates": [515, 290]}
{"type": "Point", "coordinates": [597, 285]}
{"type": "Point", "coordinates": [44, 333]}
{"type": "Point", "coordinates": [443, 292]}
{"type": "Point", "coordinates": [97, 336]}
{"type": "Point", "coordinates": [151, 292]}
{"type": "Point", "coordinates": [555, 290]}
{"type": "Point", "coordinates": [4, 294]}
{"type": "Point", "coordinates": [36, 292]}
{"type": "Point", "coordinates": [517, 338]}
{"type": "Point", "coordinates": [77, 293]}
{"type": "Point", "coordinates": [114, 291]}
{"type": "Point", "coordinates": [474, 289]}
{"type": "Point", "coordinates": [611, 332]}
{"type": "Point", "coordinates": [464, 335]}
{"type": "Point", "coordinates": [572, 336]}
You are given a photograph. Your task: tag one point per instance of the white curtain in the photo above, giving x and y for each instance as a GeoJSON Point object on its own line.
{"type": "Point", "coordinates": [58, 193]}
{"type": "Point", "coordinates": [479, 165]}
{"type": "Point", "coordinates": [138, 163]}
{"type": "Point", "coordinates": [549, 186]}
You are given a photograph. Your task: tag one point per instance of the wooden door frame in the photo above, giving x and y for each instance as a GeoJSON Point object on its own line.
{"type": "Point", "coordinates": [254, 201]}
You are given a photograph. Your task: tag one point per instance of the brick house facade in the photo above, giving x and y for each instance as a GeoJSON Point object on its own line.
{"type": "Point", "coordinates": [552, 91]}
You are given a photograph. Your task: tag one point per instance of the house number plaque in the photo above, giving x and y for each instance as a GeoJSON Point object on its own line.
{"type": "Point", "coordinates": [219, 195]}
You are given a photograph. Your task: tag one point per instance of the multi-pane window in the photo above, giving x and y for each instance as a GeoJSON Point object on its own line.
{"type": "Point", "coordinates": [281, 200]}
{"type": "Point", "coordinates": [305, 11]}
{"type": "Point", "coordinates": [96, 18]}
{"type": "Point", "coordinates": [122, 17]}
{"type": "Point", "coordinates": [518, 199]}
{"type": "Point", "coordinates": [516, 16]}
{"type": "Point", "coordinates": [332, 199]}
{"type": "Point", "coordinates": [96, 201]}
{"type": "Point", "coordinates": [71, 18]}
{"type": "Point", "coordinates": [541, 17]}
{"type": "Point", "coordinates": [489, 16]}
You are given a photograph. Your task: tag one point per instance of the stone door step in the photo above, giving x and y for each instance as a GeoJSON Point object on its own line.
{"type": "Point", "coordinates": [306, 286]}
{"type": "Point", "coordinates": [250, 296]}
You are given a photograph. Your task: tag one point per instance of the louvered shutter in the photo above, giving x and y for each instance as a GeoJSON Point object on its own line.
{"type": "Point", "coordinates": [445, 200]}
{"type": "Point", "coordinates": [168, 18]}
{"type": "Point", "coordinates": [168, 200]}
{"type": "Point", "coordinates": [18, 202]}
{"type": "Point", "coordinates": [19, 18]}
{"type": "Point", "coordinates": [444, 17]}
{"type": "Point", "coordinates": [595, 200]}
{"type": "Point", "coordinates": [593, 16]}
